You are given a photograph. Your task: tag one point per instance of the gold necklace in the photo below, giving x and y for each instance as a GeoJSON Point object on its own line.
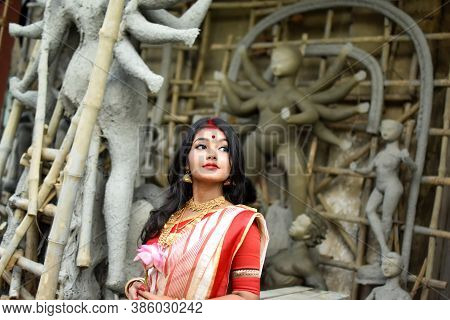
{"type": "Point", "coordinates": [166, 238]}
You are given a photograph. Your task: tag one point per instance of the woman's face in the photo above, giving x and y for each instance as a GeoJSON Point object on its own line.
{"type": "Point", "coordinates": [209, 158]}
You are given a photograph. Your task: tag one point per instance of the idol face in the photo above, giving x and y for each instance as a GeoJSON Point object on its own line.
{"type": "Point", "coordinates": [391, 266]}
{"type": "Point", "coordinates": [299, 229]}
{"type": "Point", "coordinates": [284, 61]}
{"type": "Point", "coordinates": [390, 130]}
{"type": "Point", "coordinates": [209, 157]}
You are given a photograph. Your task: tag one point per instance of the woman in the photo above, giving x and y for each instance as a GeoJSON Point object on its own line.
{"type": "Point", "coordinates": [213, 247]}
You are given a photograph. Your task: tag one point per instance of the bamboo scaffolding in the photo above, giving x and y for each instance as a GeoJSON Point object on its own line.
{"type": "Point", "coordinates": [225, 63]}
{"type": "Point", "coordinates": [48, 154]}
{"type": "Point", "coordinates": [53, 124]}
{"type": "Point", "coordinates": [201, 60]}
{"type": "Point", "coordinates": [363, 230]}
{"type": "Point", "coordinates": [314, 143]}
{"type": "Point", "coordinates": [438, 195]}
{"type": "Point", "coordinates": [27, 264]}
{"type": "Point", "coordinates": [46, 187]}
{"type": "Point", "coordinates": [14, 286]}
{"type": "Point", "coordinates": [21, 203]}
{"type": "Point", "coordinates": [419, 279]}
{"type": "Point", "coordinates": [9, 132]}
{"type": "Point", "coordinates": [363, 221]}
{"type": "Point", "coordinates": [92, 103]}
{"type": "Point", "coordinates": [439, 36]}
{"type": "Point", "coordinates": [431, 180]}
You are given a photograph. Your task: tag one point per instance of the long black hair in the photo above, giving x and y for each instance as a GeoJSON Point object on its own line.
{"type": "Point", "coordinates": [179, 192]}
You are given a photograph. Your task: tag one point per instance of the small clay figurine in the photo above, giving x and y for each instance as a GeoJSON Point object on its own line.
{"type": "Point", "coordinates": [391, 265]}
{"type": "Point", "coordinates": [388, 187]}
{"type": "Point", "coordinates": [298, 264]}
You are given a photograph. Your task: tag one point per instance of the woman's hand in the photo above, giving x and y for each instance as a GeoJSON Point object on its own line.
{"type": "Point", "coordinates": [145, 295]}
{"type": "Point", "coordinates": [135, 289]}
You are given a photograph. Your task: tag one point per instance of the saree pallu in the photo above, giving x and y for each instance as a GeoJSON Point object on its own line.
{"type": "Point", "coordinates": [192, 269]}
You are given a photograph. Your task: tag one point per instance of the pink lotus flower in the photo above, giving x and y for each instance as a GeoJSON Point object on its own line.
{"type": "Point", "coordinates": [152, 256]}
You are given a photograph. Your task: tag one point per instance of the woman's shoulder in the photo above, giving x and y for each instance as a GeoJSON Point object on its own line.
{"type": "Point", "coordinates": [243, 206]}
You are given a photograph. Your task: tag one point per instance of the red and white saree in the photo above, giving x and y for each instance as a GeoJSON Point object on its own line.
{"type": "Point", "coordinates": [198, 264]}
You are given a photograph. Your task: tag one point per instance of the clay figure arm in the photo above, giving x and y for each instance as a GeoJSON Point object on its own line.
{"type": "Point", "coordinates": [242, 92]}
{"type": "Point", "coordinates": [404, 154]}
{"type": "Point", "coordinates": [192, 18]}
{"type": "Point", "coordinates": [52, 30]}
{"type": "Point", "coordinates": [364, 170]}
{"type": "Point", "coordinates": [32, 31]}
{"type": "Point", "coordinates": [153, 33]}
{"type": "Point", "coordinates": [308, 114]}
{"type": "Point", "coordinates": [235, 106]}
{"type": "Point", "coordinates": [338, 91]}
{"type": "Point", "coordinates": [251, 72]}
{"type": "Point", "coordinates": [128, 58]}
{"type": "Point", "coordinates": [341, 112]}
{"type": "Point", "coordinates": [332, 72]}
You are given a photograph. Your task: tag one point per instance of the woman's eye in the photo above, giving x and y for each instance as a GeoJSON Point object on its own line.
{"type": "Point", "coordinates": [200, 146]}
{"type": "Point", "coordinates": [224, 149]}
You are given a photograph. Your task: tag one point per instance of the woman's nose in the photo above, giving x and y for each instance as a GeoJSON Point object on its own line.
{"type": "Point", "coordinates": [211, 156]}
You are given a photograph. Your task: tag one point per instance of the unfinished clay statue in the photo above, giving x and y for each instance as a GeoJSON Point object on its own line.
{"type": "Point", "coordinates": [388, 187]}
{"type": "Point", "coordinates": [276, 105]}
{"type": "Point", "coordinates": [387, 192]}
{"type": "Point", "coordinates": [125, 101]}
{"type": "Point", "coordinates": [298, 264]}
{"type": "Point", "coordinates": [392, 266]}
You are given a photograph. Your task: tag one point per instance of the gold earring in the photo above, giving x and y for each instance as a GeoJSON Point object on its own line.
{"type": "Point", "coordinates": [187, 177]}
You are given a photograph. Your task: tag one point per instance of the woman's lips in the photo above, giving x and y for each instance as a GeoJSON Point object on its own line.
{"type": "Point", "coordinates": [210, 166]}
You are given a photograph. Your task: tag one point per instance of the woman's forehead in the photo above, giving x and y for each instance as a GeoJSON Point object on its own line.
{"type": "Point", "coordinates": [214, 134]}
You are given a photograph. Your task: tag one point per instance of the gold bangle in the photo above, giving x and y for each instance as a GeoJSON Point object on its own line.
{"type": "Point", "coordinates": [130, 283]}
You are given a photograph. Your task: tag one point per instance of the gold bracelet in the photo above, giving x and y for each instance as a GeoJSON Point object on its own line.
{"type": "Point", "coordinates": [130, 283]}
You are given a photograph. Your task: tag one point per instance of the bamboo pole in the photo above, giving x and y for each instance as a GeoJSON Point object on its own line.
{"type": "Point", "coordinates": [15, 284]}
{"type": "Point", "coordinates": [248, 4]}
{"type": "Point", "coordinates": [21, 203]}
{"type": "Point", "coordinates": [201, 60]}
{"type": "Point", "coordinates": [173, 111]}
{"type": "Point", "coordinates": [431, 180]}
{"type": "Point", "coordinates": [14, 117]}
{"type": "Point", "coordinates": [439, 36]}
{"type": "Point", "coordinates": [85, 238]}
{"type": "Point", "coordinates": [48, 154]}
{"type": "Point", "coordinates": [92, 103]}
{"type": "Point", "coordinates": [363, 221]}
{"type": "Point", "coordinates": [225, 63]}
{"type": "Point", "coordinates": [442, 170]}
{"type": "Point", "coordinates": [54, 123]}
{"type": "Point", "coordinates": [24, 293]}
{"type": "Point", "coordinates": [309, 170]}
{"type": "Point", "coordinates": [363, 230]}
{"type": "Point", "coordinates": [419, 279]}
{"type": "Point", "coordinates": [345, 163]}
